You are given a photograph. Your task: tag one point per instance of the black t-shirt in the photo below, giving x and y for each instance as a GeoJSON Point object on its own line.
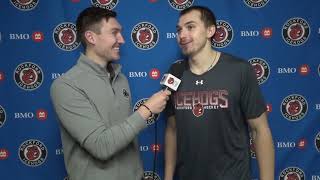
{"type": "Point", "coordinates": [211, 112]}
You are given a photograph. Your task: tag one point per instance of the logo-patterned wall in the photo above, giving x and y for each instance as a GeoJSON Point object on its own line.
{"type": "Point", "coordinates": [38, 43]}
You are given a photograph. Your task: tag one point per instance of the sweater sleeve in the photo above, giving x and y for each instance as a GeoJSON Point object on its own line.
{"type": "Point", "coordinates": [79, 117]}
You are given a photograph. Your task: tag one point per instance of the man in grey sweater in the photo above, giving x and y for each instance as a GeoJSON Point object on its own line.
{"type": "Point", "coordinates": [93, 104]}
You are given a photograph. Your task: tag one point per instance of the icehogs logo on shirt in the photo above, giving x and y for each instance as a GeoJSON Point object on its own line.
{"type": "Point", "coordinates": [125, 93]}
{"type": "Point", "coordinates": [28, 76]}
{"type": "Point", "coordinates": [106, 4]}
{"type": "Point", "coordinates": [152, 118]}
{"type": "Point", "coordinates": [294, 107]}
{"type": "Point", "coordinates": [292, 173]}
{"type": "Point", "coordinates": [33, 152]}
{"type": "Point", "coordinates": [317, 142]}
{"type": "Point", "coordinates": [223, 35]}
{"type": "Point", "coordinates": [262, 69]}
{"type": "Point", "coordinates": [149, 175]}
{"type": "Point", "coordinates": [144, 35]}
{"type": "Point", "coordinates": [65, 36]}
{"type": "Point", "coordinates": [295, 31]}
{"type": "Point", "coordinates": [2, 116]}
{"type": "Point", "coordinates": [198, 110]}
{"type": "Point", "coordinates": [24, 5]}
{"type": "Point", "coordinates": [180, 4]}
{"type": "Point", "coordinates": [256, 3]}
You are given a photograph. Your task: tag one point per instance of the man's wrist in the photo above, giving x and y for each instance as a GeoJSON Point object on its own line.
{"type": "Point", "coordinates": [145, 106]}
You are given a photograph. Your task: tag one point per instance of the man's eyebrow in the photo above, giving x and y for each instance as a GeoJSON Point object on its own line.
{"type": "Point", "coordinates": [187, 23]}
{"type": "Point", "coordinates": [117, 29]}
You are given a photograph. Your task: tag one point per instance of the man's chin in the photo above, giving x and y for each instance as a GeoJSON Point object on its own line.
{"type": "Point", "coordinates": [186, 53]}
{"type": "Point", "coordinates": [115, 58]}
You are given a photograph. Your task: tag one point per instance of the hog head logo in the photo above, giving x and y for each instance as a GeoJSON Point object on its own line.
{"type": "Point", "coordinates": [180, 1]}
{"type": "Point", "coordinates": [198, 110]}
{"type": "Point", "coordinates": [24, 1]}
{"type": "Point", "coordinates": [144, 36]}
{"type": "Point", "coordinates": [294, 107]}
{"type": "Point", "coordinates": [258, 69]}
{"type": "Point", "coordinates": [170, 80]}
{"type": "Point", "coordinates": [32, 153]}
{"type": "Point", "coordinates": [296, 31]}
{"type": "Point", "coordinates": [104, 1]}
{"type": "Point", "coordinates": [220, 34]}
{"type": "Point", "coordinates": [67, 36]}
{"type": "Point", "coordinates": [28, 76]}
{"type": "Point", "coordinates": [293, 176]}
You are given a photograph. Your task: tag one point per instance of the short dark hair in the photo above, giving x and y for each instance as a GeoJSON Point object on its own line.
{"type": "Point", "coordinates": [89, 19]}
{"type": "Point", "coordinates": [207, 16]}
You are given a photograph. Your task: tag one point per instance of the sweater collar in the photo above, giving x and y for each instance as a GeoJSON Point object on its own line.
{"type": "Point", "coordinates": [88, 64]}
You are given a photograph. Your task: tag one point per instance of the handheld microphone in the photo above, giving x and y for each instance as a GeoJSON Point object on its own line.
{"type": "Point", "coordinates": [170, 82]}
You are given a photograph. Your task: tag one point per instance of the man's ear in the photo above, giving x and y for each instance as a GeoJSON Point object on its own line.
{"type": "Point", "coordinates": [211, 31]}
{"type": "Point", "coordinates": [90, 37]}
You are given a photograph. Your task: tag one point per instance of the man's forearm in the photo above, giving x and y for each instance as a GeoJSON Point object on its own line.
{"type": "Point", "coordinates": [170, 153]}
{"type": "Point", "coordinates": [265, 154]}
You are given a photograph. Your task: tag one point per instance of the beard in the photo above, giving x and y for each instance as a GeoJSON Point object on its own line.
{"type": "Point", "coordinates": [193, 50]}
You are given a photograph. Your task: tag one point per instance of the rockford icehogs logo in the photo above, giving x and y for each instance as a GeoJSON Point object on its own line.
{"type": "Point", "coordinates": [65, 36]}
{"type": "Point", "coordinates": [145, 35]}
{"type": "Point", "coordinates": [149, 175]}
{"type": "Point", "coordinates": [33, 152]}
{"type": "Point", "coordinates": [2, 116]}
{"type": "Point", "coordinates": [292, 173]}
{"type": "Point", "coordinates": [24, 5]}
{"type": "Point", "coordinates": [317, 142]}
{"type": "Point", "coordinates": [125, 93]}
{"type": "Point", "coordinates": [28, 76]}
{"type": "Point", "coordinates": [152, 118]}
{"type": "Point", "coordinates": [256, 3]}
{"type": "Point", "coordinates": [198, 110]}
{"type": "Point", "coordinates": [262, 69]}
{"type": "Point", "coordinates": [223, 35]}
{"type": "Point", "coordinates": [295, 31]}
{"type": "Point", "coordinates": [294, 107]}
{"type": "Point", "coordinates": [180, 4]}
{"type": "Point", "coordinates": [106, 4]}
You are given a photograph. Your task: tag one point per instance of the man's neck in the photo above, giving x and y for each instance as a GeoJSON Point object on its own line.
{"type": "Point", "coordinates": [95, 58]}
{"type": "Point", "coordinates": [204, 61]}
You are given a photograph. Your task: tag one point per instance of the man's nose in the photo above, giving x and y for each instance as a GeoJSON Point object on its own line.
{"type": "Point", "coordinates": [121, 39]}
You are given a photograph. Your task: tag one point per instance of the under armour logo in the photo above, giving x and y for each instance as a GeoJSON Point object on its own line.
{"type": "Point", "coordinates": [199, 82]}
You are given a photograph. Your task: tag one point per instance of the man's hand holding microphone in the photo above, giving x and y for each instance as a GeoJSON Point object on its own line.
{"type": "Point", "coordinates": [157, 102]}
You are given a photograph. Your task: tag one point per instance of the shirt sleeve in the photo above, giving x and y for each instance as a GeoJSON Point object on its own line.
{"type": "Point", "coordinates": [81, 120]}
{"type": "Point", "coordinates": [252, 101]}
{"type": "Point", "coordinates": [177, 69]}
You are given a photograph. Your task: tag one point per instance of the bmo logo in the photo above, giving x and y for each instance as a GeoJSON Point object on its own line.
{"type": "Point", "coordinates": [249, 33]}
{"type": "Point", "coordinates": [40, 114]}
{"type": "Point", "coordinates": [1, 76]}
{"type": "Point", "coordinates": [56, 75]}
{"type": "Point", "coordinates": [172, 35]}
{"type": "Point", "coordinates": [144, 148]}
{"type": "Point", "coordinates": [19, 36]}
{"type": "Point", "coordinates": [286, 70]}
{"type": "Point", "coordinates": [154, 73]}
{"type": "Point", "coordinates": [138, 74]}
{"type": "Point", "coordinates": [23, 115]}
